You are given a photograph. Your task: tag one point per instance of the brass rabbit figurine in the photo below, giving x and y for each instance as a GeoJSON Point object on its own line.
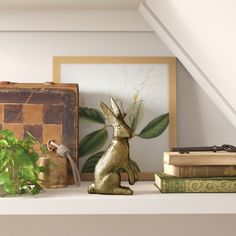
{"type": "Point", "coordinates": [107, 171]}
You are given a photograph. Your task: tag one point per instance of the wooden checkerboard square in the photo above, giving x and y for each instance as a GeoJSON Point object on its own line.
{"type": "Point", "coordinates": [33, 114]}
{"type": "Point", "coordinates": [18, 129]}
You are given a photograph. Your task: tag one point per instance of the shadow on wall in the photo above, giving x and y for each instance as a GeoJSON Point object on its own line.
{"type": "Point", "coordinates": [199, 121]}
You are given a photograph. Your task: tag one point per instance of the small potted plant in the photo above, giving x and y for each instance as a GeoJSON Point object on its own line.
{"type": "Point", "coordinates": [18, 164]}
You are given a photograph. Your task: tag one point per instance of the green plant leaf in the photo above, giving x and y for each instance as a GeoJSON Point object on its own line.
{"type": "Point", "coordinates": [18, 163]}
{"type": "Point", "coordinates": [4, 161]}
{"type": "Point", "coordinates": [6, 132]}
{"type": "Point", "coordinates": [27, 173]}
{"type": "Point", "coordinates": [22, 159]}
{"type": "Point", "coordinates": [135, 115]}
{"type": "Point", "coordinates": [4, 143]}
{"type": "Point", "coordinates": [43, 169]}
{"type": "Point", "coordinates": [91, 162]}
{"type": "Point", "coordinates": [43, 149]}
{"type": "Point", "coordinates": [93, 142]}
{"type": "Point", "coordinates": [34, 156]}
{"type": "Point", "coordinates": [30, 138]}
{"type": "Point", "coordinates": [155, 127]}
{"type": "Point", "coordinates": [36, 188]}
{"type": "Point", "coordinates": [91, 114]}
{"type": "Point", "coordinates": [4, 178]}
{"type": "Point", "coordinates": [9, 187]}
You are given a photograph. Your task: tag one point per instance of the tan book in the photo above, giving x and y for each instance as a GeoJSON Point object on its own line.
{"type": "Point", "coordinates": [199, 171]}
{"type": "Point", "coordinates": [200, 158]}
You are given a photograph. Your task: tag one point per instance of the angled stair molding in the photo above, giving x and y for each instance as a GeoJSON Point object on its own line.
{"type": "Point", "coordinates": [198, 74]}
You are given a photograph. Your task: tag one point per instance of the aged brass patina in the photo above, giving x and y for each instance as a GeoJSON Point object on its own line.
{"type": "Point", "coordinates": [107, 178]}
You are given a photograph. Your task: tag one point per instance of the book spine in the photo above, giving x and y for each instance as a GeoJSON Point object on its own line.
{"type": "Point", "coordinates": [206, 171]}
{"type": "Point", "coordinates": [199, 159]}
{"type": "Point", "coordinates": [179, 185]}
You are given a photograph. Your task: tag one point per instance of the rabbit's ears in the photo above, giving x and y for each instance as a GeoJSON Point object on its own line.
{"type": "Point", "coordinates": [116, 109]}
{"type": "Point", "coordinates": [115, 115]}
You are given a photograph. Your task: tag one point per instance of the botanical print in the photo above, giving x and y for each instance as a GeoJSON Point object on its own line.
{"type": "Point", "coordinates": [141, 90]}
{"type": "Point", "coordinates": [94, 143]}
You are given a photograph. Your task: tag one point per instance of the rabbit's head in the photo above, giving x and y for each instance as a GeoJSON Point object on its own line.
{"type": "Point", "coordinates": [121, 129]}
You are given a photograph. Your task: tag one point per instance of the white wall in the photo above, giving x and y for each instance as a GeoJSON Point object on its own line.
{"type": "Point", "coordinates": [199, 120]}
{"type": "Point", "coordinates": [27, 57]}
{"type": "Point", "coordinates": [203, 36]}
{"type": "Point", "coordinates": [71, 20]}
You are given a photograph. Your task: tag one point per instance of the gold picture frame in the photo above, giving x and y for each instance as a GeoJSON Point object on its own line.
{"type": "Point", "coordinates": [170, 62]}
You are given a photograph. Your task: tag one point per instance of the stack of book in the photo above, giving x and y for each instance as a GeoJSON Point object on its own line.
{"type": "Point", "coordinates": [197, 172]}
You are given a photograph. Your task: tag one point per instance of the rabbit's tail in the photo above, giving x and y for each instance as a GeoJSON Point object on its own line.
{"type": "Point", "coordinates": [91, 188]}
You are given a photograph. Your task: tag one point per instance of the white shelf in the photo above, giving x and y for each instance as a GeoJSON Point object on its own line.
{"type": "Point", "coordinates": [146, 200]}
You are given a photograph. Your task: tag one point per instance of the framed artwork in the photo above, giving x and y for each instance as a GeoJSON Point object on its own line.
{"type": "Point", "coordinates": [144, 88]}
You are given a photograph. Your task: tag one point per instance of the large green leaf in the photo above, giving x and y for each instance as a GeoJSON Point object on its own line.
{"type": "Point", "coordinates": [91, 114]}
{"type": "Point", "coordinates": [93, 142]}
{"type": "Point", "coordinates": [91, 162]}
{"type": "Point", "coordinates": [155, 127]}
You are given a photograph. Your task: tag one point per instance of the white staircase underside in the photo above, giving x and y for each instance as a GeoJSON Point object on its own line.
{"type": "Point", "coordinates": [202, 34]}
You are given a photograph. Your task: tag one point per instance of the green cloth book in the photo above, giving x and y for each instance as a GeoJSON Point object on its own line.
{"type": "Point", "coordinates": [171, 184]}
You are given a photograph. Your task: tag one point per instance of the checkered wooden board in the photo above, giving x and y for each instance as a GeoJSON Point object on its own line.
{"type": "Point", "coordinates": [44, 122]}
{"type": "Point", "coordinates": [47, 111]}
